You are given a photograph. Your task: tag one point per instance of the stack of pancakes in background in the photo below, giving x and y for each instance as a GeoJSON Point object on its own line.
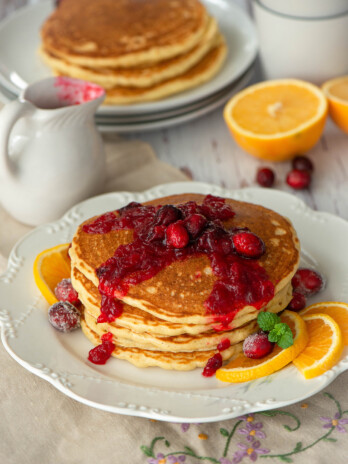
{"type": "Point", "coordinates": [137, 50]}
{"type": "Point", "coordinates": [164, 321]}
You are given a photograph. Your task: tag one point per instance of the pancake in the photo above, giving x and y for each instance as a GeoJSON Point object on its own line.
{"type": "Point", "coordinates": [178, 343]}
{"type": "Point", "coordinates": [123, 33]}
{"type": "Point", "coordinates": [139, 321]}
{"type": "Point", "coordinates": [202, 72]}
{"type": "Point", "coordinates": [175, 294]}
{"type": "Point", "coordinates": [182, 361]}
{"type": "Point", "coordinates": [145, 76]}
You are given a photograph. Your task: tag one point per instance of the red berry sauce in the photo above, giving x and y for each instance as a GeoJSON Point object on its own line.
{"type": "Point", "coordinates": [307, 281]}
{"type": "Point", "coordinates": [64, 291]}
{"type": "Point", "coordinates": [257, 345]}
{"type": "Point", "coordinates": [110, 309]}
{"type": "Point", "coordinates": [107, 337]}
{"type": "Point", "coordinates": [101, 353]}
{"type": "Point", "coordinates": [224, 344]}
{"type": "Point", "coordinates": [213, 364]}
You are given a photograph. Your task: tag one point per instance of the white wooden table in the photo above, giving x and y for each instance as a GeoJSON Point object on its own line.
{"type": "Point", "coordinates": [205, 150]}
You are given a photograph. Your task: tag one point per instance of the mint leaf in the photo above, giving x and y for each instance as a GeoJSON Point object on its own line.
{"type": "Point", "coordinates": [267, 321]}
{"type": "Point", "coordinates": [282, 335]}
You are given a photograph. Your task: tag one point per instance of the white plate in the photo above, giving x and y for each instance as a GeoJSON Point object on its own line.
{"type": "Point", "coordinates": [120, 387]}
{"type": "Point", "coordinates": [20, 63]}
{"type": "Point", "coordinates": [156, 122]}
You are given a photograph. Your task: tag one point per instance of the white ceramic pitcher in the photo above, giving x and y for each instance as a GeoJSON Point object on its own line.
{"type": "Point", "coordinates": [51, 154]}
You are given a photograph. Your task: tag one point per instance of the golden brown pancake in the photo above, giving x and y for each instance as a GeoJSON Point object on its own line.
{"type": "Point", "coordinates": [109, 33]}
{"type": "Point", "coordinates": [182, 361]}
{"type": "Point", "coordinates": [175, 294]}
{"type": "Point", "coordinates": [143, 76]}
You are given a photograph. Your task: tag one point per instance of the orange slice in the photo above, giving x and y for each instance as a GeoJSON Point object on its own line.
{"type": "Point", "coordinates": [242, 369]}
{"type": "Point", "coordinates": [336, 91]}
{"type": "Point", "coordinates": [50, 267]}
{"type": "Point", "coordinates": [335, 309]}
{"type": "Point", "coordinates": [324, 348]}
{"type": "Point", "coordinates": [275, 120]}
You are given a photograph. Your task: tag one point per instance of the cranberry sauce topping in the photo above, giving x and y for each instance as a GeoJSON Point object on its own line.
{"type": "Point", "coordinates": [224, 344]}
{"type": "Point", "coordinates": [164, 234]}
{"type": "Point", "coordinates": [110, 309]}
{"type": "Point", "coordinates": [101, 353]}
{"type": "Point", "coordinates": [213, 364]}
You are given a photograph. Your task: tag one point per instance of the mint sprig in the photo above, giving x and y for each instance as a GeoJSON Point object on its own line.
{"type": "Point", "coordinates": [278, 332]}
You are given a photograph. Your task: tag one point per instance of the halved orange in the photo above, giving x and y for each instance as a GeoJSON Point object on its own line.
{"type": "Point", "coordinates": [50, 267]}
{"type": "Point", "coordinates": [336, 91]}
{"type": "Point", "coordinates": [243, 369]}
{"type": "Point", "coordinates": [335, 309]}
{"type": "Point", "coordinates": [275, 120]}
{"type": "Point", "coordinates": [324, 347]}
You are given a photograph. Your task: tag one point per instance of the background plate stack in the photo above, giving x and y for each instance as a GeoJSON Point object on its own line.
{"type": "Point", "coordinates": [20, 65]}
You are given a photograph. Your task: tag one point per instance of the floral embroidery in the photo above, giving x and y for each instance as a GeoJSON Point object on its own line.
{"type": "Point", "coordinates": [250, 426]}
{"type": "Point", "coordinates": [250, 450]}
{"type": "Point", "coordinates": [252, 430]}
{"type": "Point", "coordinates": [335, 422]}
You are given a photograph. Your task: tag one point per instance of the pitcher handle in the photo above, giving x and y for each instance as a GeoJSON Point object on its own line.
{"type": "Point", "coordinates": [9, 115]}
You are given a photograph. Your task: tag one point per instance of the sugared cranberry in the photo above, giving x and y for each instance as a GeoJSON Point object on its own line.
{"type": "Point", "coordinates": [298, 179]}
{"type": "Point", "coordinates": [101, 353]}
{"type": "Point", "coordinates": [298, 302]}
{"type": "Point", "coordinates": [307, 281]}
{"type": "Point", "coordinates": [224, 344]}
{"type": "Point", "coordinates": [177, 235]}
{"type": "Point", "coordinates": [302, 163]}
{"type": "Point", "coordinates": [257, 345]}
{"type": "Point", "coordinates": [265, 177]}
{"type": "Point", "coordinates": [167, 214]}
{"type": "Point", "coordinates": [195, 224]}
{"type": "Point", "coordinates": [248, 245]}
{"type": "Point", "coordinates": [64, 317]}
{"type": "Point", "coordinates": [64, 291]}
{"type": "Point", "coordinates": [213, 364]}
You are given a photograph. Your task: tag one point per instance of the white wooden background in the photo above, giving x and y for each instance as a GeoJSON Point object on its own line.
{"type": "Point", "coordinates": [205, 151]}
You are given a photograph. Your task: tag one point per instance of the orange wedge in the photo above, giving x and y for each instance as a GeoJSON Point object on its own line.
{"type": "Point", "coordinates": [50, 267]}
{"type": "Point", "coordinates": [243, 369]}
{"type": "Point", "coordinates": [324, 348]}
{"type": "Point", "coordinates": [335, 309]}
{"type": "Point", "coordinates": [275, 120]}
{"type": "Point", "coordinates": [336, 91]}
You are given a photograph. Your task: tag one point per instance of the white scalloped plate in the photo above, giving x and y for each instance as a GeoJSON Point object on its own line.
{"type": "Point", "coordinates": [120, 387]}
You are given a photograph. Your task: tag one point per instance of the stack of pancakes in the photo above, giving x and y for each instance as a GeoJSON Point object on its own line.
{"type": "Point", "coordinates": [137, 50]}
{"type": "Point", "coordinates": [164, 321]}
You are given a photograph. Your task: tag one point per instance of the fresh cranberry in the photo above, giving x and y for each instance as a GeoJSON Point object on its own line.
{"type": "Point", "coordinates": [131, 205]}
{"type": "Point", "coordinates": [167, 214]}
{"type": "Point", "coordinates": [257, 345]}
{"type": "Point", "coordinates": [307, 281]}
{"type": "Point", "coordinates": [302, 163]}
{"type": "Point", "coordinates": [213, 364]}
{"type": "Point", "coordinates": [248, 245]}
{"type": "Point", "coordinates": [64, 291]}
{"type": "Point", "coordinates": [224, 344]}
{"type": "Point", "coordinates": [64, 317]}
{"type": "Point", "coordinates": [265, 177]}
{"type": "Point", "coordinates": [195, 224]}
{"type": "Point", "coordinates": [298, 180]}
{"type": "Point", "coordinates": [298, 302]}
{"type": "Point", "coordinates": [101, 353]}
{"type": "Point", "coordinates": [177, 235]}
{"type": "Point", "coordinates": [157, 233]}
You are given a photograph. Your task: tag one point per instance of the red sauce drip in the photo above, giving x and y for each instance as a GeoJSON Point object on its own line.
{"type": "Point", "coordinates": [224, 344]}
{"type": "Point", "coordinates": [107, 337]}
{"type": "Point", "coordinates": [241, 281]}
{"type": "Point", "coordinates": [101, 353]}
{"type": "Point", "coordinates": [110, 309]}
{"type": "Point", "coordinates": [213, 364]}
